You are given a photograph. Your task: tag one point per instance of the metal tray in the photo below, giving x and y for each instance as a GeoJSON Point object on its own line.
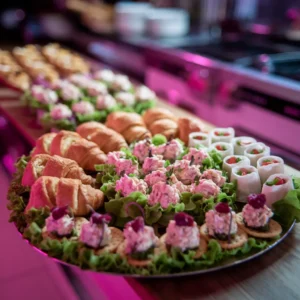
{"type": "Point", "coordinates": [226, 264]}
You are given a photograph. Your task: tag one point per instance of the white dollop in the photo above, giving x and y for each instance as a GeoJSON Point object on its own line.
{"type": "Point", "coordinates": [214, 175]}
{"type": "Point", "coordinates": [219, 223]}
{"type": "Point", "coordinates": [94, 235]}
{"type": "Point", "coordinates": [105, 102]}
{"type": "Point", "coordinates": [60, 111]}
{"type": "Point", "coordinates": [245, 141]}
{"type": "Point", "coordinates": [83, 108]}
{"type": "Point", "coordinates": [222, 138]}
{"type": "Point", "coordinates": [256, 217]}
{"type": "Point", "coordinates": [63, 226]}
{"type": "Point", "coordinates": [244, 161]}
{"type": "Point", "coordinates": [184, 171]}
{"type": "Point", "coordinates": [223, 153]}
{"type": "Point", "coordinates": [197, 155]}
{"type": "Point", "coordinates": [153, 163]}
{"type": "Point", "coordinates": [126, 99]}
{"type": "Point", "coordinates": [195, 141]}
{"type": "Point", "coordinates": [105, 75]}
{"type": "Point", "coordinates": [80, 80]}
{"type": "Point", "coordinates": [140, 241]}
{"type": "Point", "coordinates": [246, 184]}
{"type": "Point", "coordinates": [70, 92]}
{"type": "Point", "coordinates": [43, 95]}
{"type": "Point", "coordinates": [182, 237]}
{"type": "Point", "coordinates": [121, 83]}
{"type": "Point", "coordinates": [143, 93]}
{"type": "Point", "coordinates": [164, 194]}
{"type": "Point", "coordinates": [205, 187]}
{"type": "Point", "coordinates": [265, 151]}
{"type": "Point", "coordinates": [266, 171]}
{"type": "Point", "coordinates": [277, 192]}
{"type": "Point", "coordinates": [126, 185]}
{"type": "Point", "coordinates": [96, 88]}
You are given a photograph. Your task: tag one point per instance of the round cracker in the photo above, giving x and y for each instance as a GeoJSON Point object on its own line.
{"type": "Point", "coordinates": [116, 239]}
{"type": "Point", "coordinates": [46, 234]}
{"type": "Point", "coordinates": [199, 251]}
{"type": "Point", "coordinates": [275, 228]}
{"type": "Point", "coordinates": [132, 261]}
{"type": "Point", "coordinates": [239, 239]}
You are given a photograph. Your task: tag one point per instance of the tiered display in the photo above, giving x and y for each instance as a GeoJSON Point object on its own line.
{"type": "Point", "coordinates": [132, 198]}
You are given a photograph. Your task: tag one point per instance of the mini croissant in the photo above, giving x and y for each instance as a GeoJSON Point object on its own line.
{"type": "Point", "coordinates": [130, 125]}
{"type": "Point", "coordinates": [162, 121]}
{"type": "Point", "coordinates": [43, 144]}
{"type": "Point", "coordinates": [107, 139]}
{"type": "Point", "coordinates": [52, 191]}
{"type": "Point", "coordinates": [56, 166]}
{"type": "Point", "coordinates": [187, 126]}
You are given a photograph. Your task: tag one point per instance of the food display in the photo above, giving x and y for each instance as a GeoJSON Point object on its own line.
{"type": "Point", "coordinates": [130, 197]}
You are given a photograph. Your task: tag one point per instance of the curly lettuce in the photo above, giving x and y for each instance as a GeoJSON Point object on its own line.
{"type": "Point", "coordinates": [48, 123]}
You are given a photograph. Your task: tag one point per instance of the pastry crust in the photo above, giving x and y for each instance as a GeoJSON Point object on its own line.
{"type": "Point", "coordinates": [52, 191]}
{"type": "Point", "coordinates": [154, 114]}
{"type": "Point", "coordinates": [275, 228]}
{"type": "Point", "coordinates": [187, 126]}
{"type": "Point", "coordinates": [43, 144]}
{"type": "Point", "coordinates": [166, 127]}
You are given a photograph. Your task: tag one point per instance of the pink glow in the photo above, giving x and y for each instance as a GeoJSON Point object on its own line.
{"type": "Point", "coordinates": [260, 29]}
{"type": "Point", "coordinates": [9, 163]}
{"type": "Point", "coordinates": [197, 59]}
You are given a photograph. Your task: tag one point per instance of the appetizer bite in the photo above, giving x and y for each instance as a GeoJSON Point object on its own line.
{"type": "Point", "coordinates": [256, 218]}
{"type": "Point", "coordinates": [276, 187]}
{"type": "Point", "coordinates": [187, 126]}
{"type": "Point", "coordinates": [241, 143]}
{"type": "Point", "coordinates": [97, 235]}
{"type": "Point", "coordinates": [139, 244]}
{"type": "Point", "coordinates": [269, 165]}
{"type": "Point", "coordinates": [220, 224]}
{"type": "Point", "coordinates": [183, 234]}
{"type": "Point", "coordinates": [232, 161]}
{"type": "Point", "coordinates": [222, 135]}
{"type": "Point", "coordinates": [224, 149]}
{"type": "Point", "coordinates": [199, 139]}
{"type": "Point", "coordinates": [255, 151]}
{"type": "Point", "coordinates": [206, 187]}
{"type": "Point", "coordinates": [143, 94]}
{"type": "Point", "coordinates": [248, 181]}
{"type": "Point", "coordinates": [123, 165]}
{"type": "Point", "coordinates": [106, 76]}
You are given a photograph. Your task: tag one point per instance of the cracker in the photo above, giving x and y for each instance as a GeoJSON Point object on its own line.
{"type": "Point", "coordinates": [199, 251]}
{"type": "Point", "coordinates": [46, 234]}
{"type": "Point", "coordinates": [275, 228]}
{"type": "Point", "coordinates": [132, 261]}
{"type": "Point", "coordinates": [116, 239]}
{"type": "Point", "coordinates": [239, 239]}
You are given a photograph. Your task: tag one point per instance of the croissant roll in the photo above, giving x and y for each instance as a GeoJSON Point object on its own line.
{"type": "Point", "coordinates": [136, 133]}
{"type": "Point", "coordinates": [121, 121]}
{"type": "Point", "coordinates": [107, 139]}
{"type": "Point", "coordinates": [187, 126]}
{"type": "Point", "coordinates": [153, 114]}
{"type": "Point", "coordinates": [71, 145]}
{"type": "Point", "coordinates": [43, 144]}
{"type": "Point", "coordinates": [163, 126]}
{"type": "Point", "coordinates": [52, 191]}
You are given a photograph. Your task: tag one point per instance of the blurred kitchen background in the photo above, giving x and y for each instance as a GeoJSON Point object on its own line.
{"type": "Point", "coordinates": [231, 62]}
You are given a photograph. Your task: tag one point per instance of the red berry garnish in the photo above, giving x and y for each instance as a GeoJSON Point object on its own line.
{"type": "Point", "coordinates": [100, 219]}
{"type": "Point", "coordinates": [59, 212]}
{"type": "Point", "coordinates": [279, 181]}
{"type": "Point", "coordinates": [255, 151]}
{"type": "Point", "coordinates": [222, 208]}
{"type": "Point", "coordinates": [137, 224]}
{"type": "Point", "coordinates": [257, 200]}
{"type": "Point", "coordinates": [220, 148]}
{"type": "Point", "coordinates": [183, 219]}
{"type": "Point", "coordinates": [226, 134]}
{"type": "Point", "coordinates": [231, 160]}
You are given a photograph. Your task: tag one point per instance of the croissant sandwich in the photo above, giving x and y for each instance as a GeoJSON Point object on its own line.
{"type": "Point", "coordinates": [56, 166]}
{"type": "Point", "coordinates": [43, 144]}
{"type": "Point", "coordinates": [130, 125]}
{"type": "Point", "coordinates": [52, 191]}
{"type": "Point", "coordinates": [107, 139]}
{"type": "Point", "coordinates": [162, 121]}
{"type": "Point", "coordinates": [187, 126]}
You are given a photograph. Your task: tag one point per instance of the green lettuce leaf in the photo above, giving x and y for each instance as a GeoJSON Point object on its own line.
{"type": "Point", "coordinates": [98, 116]}
{"type": "Point", "coordinates": [159, 139]}
{"type": "Point", "coordinates": [64, 124]}
{"type": "Point", "coordinates": [37, 216]}
{"type": "Point", "coordinates": [33, 233]}
{"type": "Point", "coordinates": [141, 107]}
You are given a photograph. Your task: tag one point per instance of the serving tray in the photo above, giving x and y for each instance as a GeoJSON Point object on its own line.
{"type": "Point", "coordinates": [223, 265]}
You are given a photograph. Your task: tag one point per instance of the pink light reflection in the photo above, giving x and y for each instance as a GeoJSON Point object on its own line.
{"type": "Point", "coordinates": [260, 29]}
{"type": "Point", "coordinates": [9, 163]}
{"type": "Point", "coordinates": [197, 59]}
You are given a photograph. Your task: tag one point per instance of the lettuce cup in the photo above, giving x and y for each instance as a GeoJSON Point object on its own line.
{"type": "Point", "coordinates": [232, 161]}
{"type": "Point", "coordinates": [222, 135]}
{"type": "Point", "coordinates": [199, 139]}
{"type": "Point", "coordinates": [224, 149]}
{"type": "Point", "coordinates": [269, 165]}
{"type": "Point", "coordinates": [241, 143]}
{"type": "Point", "coordinates": [276, 187]}
{"type": "Point", "coordinates": [255, 151]}
{"type": "Point", "coordinates": [248, 181]}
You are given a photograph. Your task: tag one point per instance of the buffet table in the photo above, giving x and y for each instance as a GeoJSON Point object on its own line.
{"type": "Point", "coordinates": [271, 276]}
